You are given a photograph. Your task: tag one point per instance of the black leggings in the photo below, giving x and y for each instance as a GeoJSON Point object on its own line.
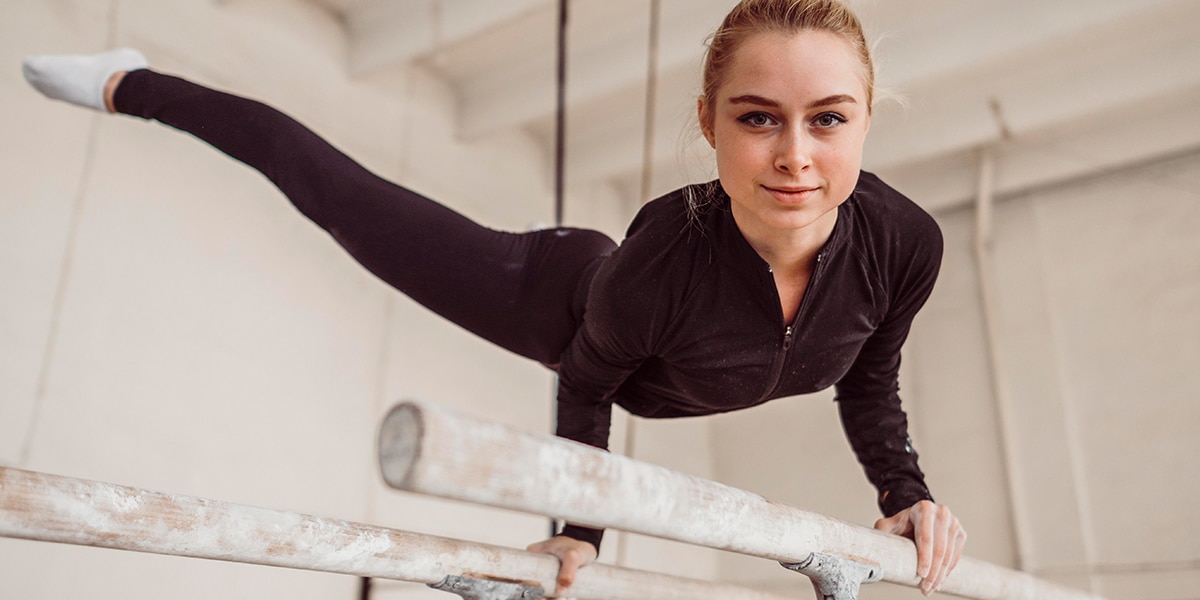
{"type": "Point", "coordinates": [522, 291]}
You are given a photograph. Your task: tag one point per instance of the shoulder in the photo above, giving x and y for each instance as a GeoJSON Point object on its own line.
{"type": "Point", "coordinates": [674, 213]}
{"type": "Point", "coordinates": [887, 210]}
{"type": "Point", "coordinates": [671, 228]}
{"type": "Point", "coordinates": [896, 241]}
{"type": "Point", "coordinates": [887, 221]}
{"type": "Point", "coordinates": [665, 251]}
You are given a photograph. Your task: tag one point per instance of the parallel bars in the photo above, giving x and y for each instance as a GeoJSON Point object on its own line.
{"type": "Point", "coordinates": [39, 506]}
{"type": "Point", "coordinates": [431, 450]}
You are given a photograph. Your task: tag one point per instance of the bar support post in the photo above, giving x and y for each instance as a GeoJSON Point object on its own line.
{"type": "Point", "coordinates": [471, 588]}
{"type": "Point", "coordinates": [835, 577]}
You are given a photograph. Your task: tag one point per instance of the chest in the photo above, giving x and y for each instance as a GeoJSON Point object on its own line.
{"type": "Point", "coordinates": [743, 338]}
{"type": "Point", "coordinates": [790, 286]}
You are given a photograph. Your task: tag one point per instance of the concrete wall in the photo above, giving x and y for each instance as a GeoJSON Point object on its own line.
{"type": "Point", "coordinates": [171, 322]}
{"type": "Point", "coordinates": [1070, 452]}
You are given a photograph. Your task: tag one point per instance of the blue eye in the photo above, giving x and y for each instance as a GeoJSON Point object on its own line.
{"type": "Point", "coordinates": [828, 120]}
{"type": "Point", "coordinates": [757, 119]}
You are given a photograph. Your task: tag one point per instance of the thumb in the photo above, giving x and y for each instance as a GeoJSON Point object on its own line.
{"type": "Point", "coordinates": [897, 524]}
{"type": "Point", "coordinates": [570, 560]}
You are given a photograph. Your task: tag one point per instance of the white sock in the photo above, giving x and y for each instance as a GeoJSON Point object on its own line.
{"type": "Point", "coordinates": [79, 79]}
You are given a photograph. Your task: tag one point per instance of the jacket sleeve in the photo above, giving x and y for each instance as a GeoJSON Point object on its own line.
{"type": "Point", "coordinates": [605, 351]}
{"type": "Point", "coordinates": [626, 312]}
{"type": "Point", "coordinates": [594, 366]}
{"type": "Point", "coordinates": [868, 395]}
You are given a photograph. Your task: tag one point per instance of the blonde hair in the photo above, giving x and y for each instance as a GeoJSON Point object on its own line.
{"type": "Point", "coordinates": [752, 17]}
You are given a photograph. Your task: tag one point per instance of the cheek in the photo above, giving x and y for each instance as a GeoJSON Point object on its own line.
{"type": "Point", "coordinates": [841, 167]}
{"type": "Point", "coordinates": [733, 159]}
{"type": "Point", "coordinates": [844, 154]}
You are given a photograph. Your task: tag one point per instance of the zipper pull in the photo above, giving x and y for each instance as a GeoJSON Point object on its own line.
{"type": "Point", "coordinates": [787, 338]}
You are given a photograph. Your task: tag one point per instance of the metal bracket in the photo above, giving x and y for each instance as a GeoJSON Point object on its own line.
{"type": "Point", "coordinates": [470, 588]}
{"type": "Point", "coordinates": [835, 577]}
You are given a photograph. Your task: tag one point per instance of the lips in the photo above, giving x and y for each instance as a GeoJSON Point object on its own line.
{"type": "Point", "coordinates": [791, 194]}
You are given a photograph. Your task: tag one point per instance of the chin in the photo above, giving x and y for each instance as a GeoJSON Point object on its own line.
{"type": "Point", "coordinates": [798, 220]}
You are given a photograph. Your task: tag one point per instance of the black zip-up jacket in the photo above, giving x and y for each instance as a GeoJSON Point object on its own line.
{"type": "Point", "coordinates": [681, 319]}
{"type": "Point", "coordinates": [684, 319]}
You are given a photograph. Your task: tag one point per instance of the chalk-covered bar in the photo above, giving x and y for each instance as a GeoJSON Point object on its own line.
{"type": "Point", "coordinates": [432, 450]}
{"type": "Point", "coordinates": [52, 508]}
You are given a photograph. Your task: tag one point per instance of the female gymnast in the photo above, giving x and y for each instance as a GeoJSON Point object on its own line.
{"type": "Point", "coordinates": [792, 272]}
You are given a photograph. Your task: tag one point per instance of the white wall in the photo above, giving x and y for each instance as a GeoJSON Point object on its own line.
{"type": "Point", "coordinates": [171, 322]}
{"type": "Point", "coordinates": [168, 321]}
{"type": "Point", "coordinates": [1096, 287]}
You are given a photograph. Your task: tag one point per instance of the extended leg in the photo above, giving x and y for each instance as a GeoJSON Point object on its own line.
{"type": "Point", "coordinates": [522, 291]}
{"type": "Point", "coordinates": [517, 290]}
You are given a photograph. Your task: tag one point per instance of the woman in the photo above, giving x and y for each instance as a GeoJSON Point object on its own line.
{"type": "Point", "coordinates": [791, 273]}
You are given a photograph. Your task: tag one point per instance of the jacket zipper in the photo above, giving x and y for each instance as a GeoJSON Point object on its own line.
{"type": "Point", "coordinates": [790, 330]}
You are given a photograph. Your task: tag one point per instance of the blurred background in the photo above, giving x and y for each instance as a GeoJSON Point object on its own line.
{"type": "Point", "coordinates": [168, 321]}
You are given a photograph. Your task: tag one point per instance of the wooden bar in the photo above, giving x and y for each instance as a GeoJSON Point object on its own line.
{"type": "Point", "coordinates": [432, 450]}
{"type": "Point", "coordinates": [38, 506]}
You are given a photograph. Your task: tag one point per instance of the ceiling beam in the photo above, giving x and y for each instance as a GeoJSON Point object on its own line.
{"type": "Point", "coordinates": [386, 32]}
{"type": "Point", "coordinates": [1096, 71]}
{"type": "Point", "coordinates": [520, 91]}
{"type": "Point", "coordinates": [603, 58]}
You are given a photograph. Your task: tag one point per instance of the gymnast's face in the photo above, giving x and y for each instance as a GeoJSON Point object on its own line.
{"type": "Point", "coordinates": [788, 125]}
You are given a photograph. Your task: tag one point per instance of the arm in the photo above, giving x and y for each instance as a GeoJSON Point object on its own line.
{"type": "Point", "coordinates": [611, 343]}
{"type": "Point", "coordinates": [630, 304]}
{"type": "Point", "coordinates": [607, 350]}
{"type": "Point", "coordinates": [877, 427]}
{"type": "Point", "coordinates": [586, 384]}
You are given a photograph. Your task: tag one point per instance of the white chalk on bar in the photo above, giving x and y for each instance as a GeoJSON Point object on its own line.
{"type": "Point", "coordinates": [52, 508]}
{"type": "Point", "coordinates": [433, 450]}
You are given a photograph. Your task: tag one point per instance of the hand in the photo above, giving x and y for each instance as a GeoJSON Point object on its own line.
{"type": "Point", "coordinates": [939, 538]}
{"type": "Point", "coordinates": [571, 554]}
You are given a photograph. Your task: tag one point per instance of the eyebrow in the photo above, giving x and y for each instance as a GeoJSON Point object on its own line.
{"type": "Point", "coordinates": [760, 101]}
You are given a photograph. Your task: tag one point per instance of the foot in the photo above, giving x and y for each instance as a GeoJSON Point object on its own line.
{"type": "Point", "coordinates": [80, 79]}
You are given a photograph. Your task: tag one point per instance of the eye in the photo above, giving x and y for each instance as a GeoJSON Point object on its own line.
{"type": "Point", "coordinates": [828, 120]}
{"type": "Point", "coordinates": [757, 119]}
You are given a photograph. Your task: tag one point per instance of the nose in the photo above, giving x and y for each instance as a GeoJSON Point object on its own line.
{"type": "Point", "coordinates": [794, 151]}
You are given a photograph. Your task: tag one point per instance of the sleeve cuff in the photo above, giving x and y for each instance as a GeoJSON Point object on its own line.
{"type": "Point", "coordinates": [901, 495]}
{"type": "Point", "coordinates": [583, 534]}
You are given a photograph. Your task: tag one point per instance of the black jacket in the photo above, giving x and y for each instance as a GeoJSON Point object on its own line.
{"type": "Point", "coordinates": [684, 319]}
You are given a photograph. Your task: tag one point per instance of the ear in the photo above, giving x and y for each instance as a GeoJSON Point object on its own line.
{"type": "Point", "coordinates": [705, 118]}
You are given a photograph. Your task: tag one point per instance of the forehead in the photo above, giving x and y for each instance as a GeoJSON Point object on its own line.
{"type": "Point", "coordinates": [801, 65]}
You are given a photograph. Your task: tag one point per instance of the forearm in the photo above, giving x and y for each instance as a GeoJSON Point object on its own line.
{"type": "Point", "coordinates": [877, 430]}
{"type": "Point", "coordinates": [587, 423]}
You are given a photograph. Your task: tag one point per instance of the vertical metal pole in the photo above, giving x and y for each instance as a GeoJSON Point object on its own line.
{"type": "Point", "coordinates": [647, 181]}
{"type": "Point", "coordinates": [560, 150]}
{"type": "Point", "coordinates": [560, 133]}
{"type": "Point", "coordinates": [651, 101]}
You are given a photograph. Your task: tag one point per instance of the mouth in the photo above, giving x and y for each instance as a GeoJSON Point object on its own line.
{"type": "Point", "coordinates": [791, 194]}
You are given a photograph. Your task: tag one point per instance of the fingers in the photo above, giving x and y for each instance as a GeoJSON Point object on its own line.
{"type": "Point", "coordinates": [888, 524]}
{"type": "Point", "coordinates": [924, 537]}
{"type": "Point", "coordinates": [571, 559]}
{"type": "Point", "coordinates": [898, 524]}
{"type": "Point", "coordinates": [933, 536]}
{"type": "Point", "coordinates": [940, 540]}
{"type": "Point", "coordinates": [572, 554]}
{"type": "Point", "coordinates": [938, 536]}
{"type": "Point", "coordinates": [958, 540]}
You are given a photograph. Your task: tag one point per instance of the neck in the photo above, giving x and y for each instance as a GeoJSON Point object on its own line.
{"type": "Point", "coordinates": [787, 250]}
